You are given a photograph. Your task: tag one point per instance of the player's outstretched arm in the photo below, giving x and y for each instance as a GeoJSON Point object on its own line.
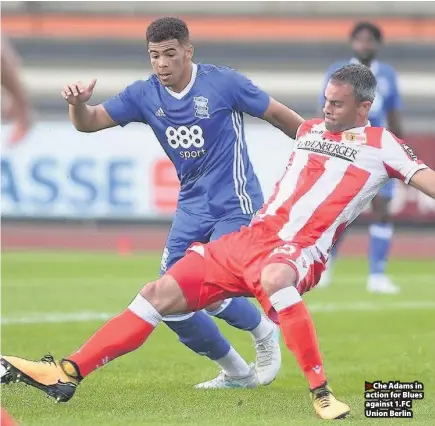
{"type": "Point", "coordinates": [424, 181]}
{"type": "Point", "coordinates": [90, 119]}
{"type": "Point", "coordinates": [283, 118]}
{"type": "Point", "coordinates": [86, 118]}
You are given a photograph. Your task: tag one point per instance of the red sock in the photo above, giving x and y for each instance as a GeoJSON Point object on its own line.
{"type": "Point", "coordinates": [118, 336]}
{"type": "Point", "coordinates": [300, 337]}
{"type": "Point", "coordinates": [6, 419]}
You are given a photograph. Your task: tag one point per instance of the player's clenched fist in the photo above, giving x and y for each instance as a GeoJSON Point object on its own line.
{"type": "Point", "coordinates": [78, 93]}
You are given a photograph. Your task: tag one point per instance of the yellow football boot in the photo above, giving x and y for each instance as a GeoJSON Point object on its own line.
{"type": "Point", "coordinates": [326, 405]}
{"type": "Point", "coordinates": [46, 375]}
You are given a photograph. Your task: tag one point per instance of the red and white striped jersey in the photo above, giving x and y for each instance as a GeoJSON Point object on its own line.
{"type": "Point", "coordinates": [330, 179]}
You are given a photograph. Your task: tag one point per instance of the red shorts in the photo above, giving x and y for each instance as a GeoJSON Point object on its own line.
{"type": "Point", "coordinates": [231, 266]}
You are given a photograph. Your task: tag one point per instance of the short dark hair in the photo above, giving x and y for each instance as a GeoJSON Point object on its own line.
{"type": "Point", "coordinates": [167, 28]}
{"type": "Point", "coordinates": [360, 77]}
{"type": "Point", "coordinates": [367, 26]}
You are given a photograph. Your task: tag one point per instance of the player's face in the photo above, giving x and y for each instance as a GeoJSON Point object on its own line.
{"type": "Point", "coordinates": [170, 61]}
{"type": "Point", "coordinates": [365, 46]}
{"type": "Point", "coordinates": [342, 111]}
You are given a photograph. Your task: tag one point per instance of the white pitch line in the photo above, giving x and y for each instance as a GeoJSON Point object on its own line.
{"type": "Point", "coordinates": [55, 318]}
{"type": "Point", "coordinates": [369, 306]}
{"type": "Point", "coordinates": [58, 318]}
{"type": "Point", "coordinates": [399, 279]}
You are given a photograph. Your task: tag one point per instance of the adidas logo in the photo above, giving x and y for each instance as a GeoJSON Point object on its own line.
{"type": "Point", "coordinates": [160, 113]}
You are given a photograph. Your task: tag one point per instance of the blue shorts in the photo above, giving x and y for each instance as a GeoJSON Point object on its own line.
{"type": "Point", "coordinates": [388, 190]}
{"type": "Point", "coordinates": [187, 229]}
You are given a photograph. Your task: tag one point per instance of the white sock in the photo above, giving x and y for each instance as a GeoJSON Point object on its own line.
{"type": "Point", "coordinates": [284, 298]}
{"type": "Point", "coordinates": [263, 329]}
{"type": "Point", "coordinates": [233, 364]}
{"type": "Point", "coordinates": [143, 309]}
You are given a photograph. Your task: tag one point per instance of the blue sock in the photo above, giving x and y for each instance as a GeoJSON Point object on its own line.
{"type": "Point", "coordinates": [380, 241]}
{"type": "Point", "coordinates": [239, 312]}
{"type": "Point", "coordinates": [200, 334]}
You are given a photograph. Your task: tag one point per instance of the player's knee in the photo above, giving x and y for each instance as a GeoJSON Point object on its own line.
{"type": "Point", "coordinates": [383, 217]}
{"type": "Point", "coordinates": [382, 214]}
{"type": "Point", "coordinates": [165, 295]}
{"type": "Point", "coordinates": [381, 209]}
{"type": "Point", "coordinates": [276, 276]}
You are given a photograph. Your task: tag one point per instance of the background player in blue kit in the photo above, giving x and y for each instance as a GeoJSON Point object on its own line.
{"type": "Point", "coordinates": [366, 39]}
{"type": "Point", "coordinates": [196, 112]}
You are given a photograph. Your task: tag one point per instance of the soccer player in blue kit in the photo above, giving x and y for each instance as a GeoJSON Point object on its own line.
{"type": "Point", "coordinates": [366, 39]}
{"type": "Point", "coordinates": [196, 112]}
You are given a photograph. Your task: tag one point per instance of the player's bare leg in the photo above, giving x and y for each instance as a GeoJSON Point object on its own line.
{"type": "Point", "coordinates": [122, 334]}
{"type": "Point", "coordinates": [299, 334]}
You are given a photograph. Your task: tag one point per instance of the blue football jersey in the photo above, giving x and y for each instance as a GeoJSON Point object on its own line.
{"type": "Point", "coordinates": [387, 93]}
{"type": "Point", "coordinates": [201, 130]}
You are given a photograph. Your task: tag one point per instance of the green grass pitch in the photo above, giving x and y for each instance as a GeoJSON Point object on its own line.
{"type": "Point", "coordinates": [51, 302]}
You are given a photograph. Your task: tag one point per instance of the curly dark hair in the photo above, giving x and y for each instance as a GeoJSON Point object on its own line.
{"type": "Point", "coordinates": [367, 26]}
{"type": "Point", "coordinates": [167, 28]}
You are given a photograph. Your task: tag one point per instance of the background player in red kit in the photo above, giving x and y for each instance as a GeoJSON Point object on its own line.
{"type": "Point", "coordinates": [337, 167]}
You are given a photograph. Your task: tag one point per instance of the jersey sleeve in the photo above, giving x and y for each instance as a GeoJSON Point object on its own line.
{"type": "Point", "coordinates": [399, 158]}
{"type": "Point", "coordinates": [245, 96]}
{"type": "Point", "coordinates": [124, 107]}
{"type": "Point", "coordinates": [393, 101]}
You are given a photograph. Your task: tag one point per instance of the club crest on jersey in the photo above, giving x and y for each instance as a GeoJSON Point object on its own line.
{"type": "Point", "coordinates": [354, 137]}
{"type": "Point", "coordinates": [201, 107]}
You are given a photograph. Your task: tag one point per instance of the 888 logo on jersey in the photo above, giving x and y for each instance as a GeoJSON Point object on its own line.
{"type": "Point", "coordinates": [189, 139]}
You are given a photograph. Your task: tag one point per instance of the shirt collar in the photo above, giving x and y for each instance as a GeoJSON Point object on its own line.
{"type": "Point", "coordinates": [186, 90]}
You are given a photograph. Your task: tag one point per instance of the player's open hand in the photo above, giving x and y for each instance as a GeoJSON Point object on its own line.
{"type": "Point", "coordinates": [77, 93]}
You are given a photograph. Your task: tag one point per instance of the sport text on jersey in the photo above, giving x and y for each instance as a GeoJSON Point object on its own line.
{"type": "Point", "coordinates": [333, 149]}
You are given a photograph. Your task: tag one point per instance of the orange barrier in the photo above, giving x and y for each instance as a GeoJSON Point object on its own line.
{"type": "Point", "coordinates": [212, 28]}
